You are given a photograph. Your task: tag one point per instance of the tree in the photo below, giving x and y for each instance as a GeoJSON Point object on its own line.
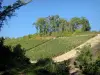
{"type": "Point", "coordinates": [85, 24]}
{"type": "Point", "coordinates": [47, 25]}
{"type": "Point", "coordinates": [63, 25]}
{"type": "Point", "coordinates": [74, 23]}
{"type": "Point", "coordinates": [79, 24]}
{"type": "Point", "coordinates": [55, 24]}
{"type": "Point", "coordinates": [40, 25]}
{"type": "Point", "coordinates": [8, 11]}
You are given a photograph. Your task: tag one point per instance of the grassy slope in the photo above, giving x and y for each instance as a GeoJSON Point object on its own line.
{"type": "Point", "coordinates": [27, 44]}
{"type": "Point", "coordinates": [56, 47]}
{"type": "Point", "coordinates": [43, 48]}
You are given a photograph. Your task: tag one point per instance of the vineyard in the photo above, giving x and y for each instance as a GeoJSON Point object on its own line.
{"type": "Point", "coordinates": [56, 47]}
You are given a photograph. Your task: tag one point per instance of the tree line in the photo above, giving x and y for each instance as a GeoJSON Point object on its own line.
{"type": "Point", "coordinates": [54, 23]}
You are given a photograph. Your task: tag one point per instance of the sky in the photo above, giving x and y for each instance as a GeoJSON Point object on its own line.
{"type": "Point", "coordinates": [21, 24]}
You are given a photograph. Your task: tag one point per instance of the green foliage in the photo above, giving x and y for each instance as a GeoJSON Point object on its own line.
{"type": "Point", "coordinates": [12, 58]}
{"type": "Point", "coordinates": [54, 23]}
{"type": "Point", "coordinates": [14, 62]}
{"type": "Point", "coordinates": [74, 23]}
{"type": "Point", "coordinates": [86, 25]}
{"type": "Point", "coordinates": [85, 56]}
{"type": "Point", "coordinates": [86, 62]}
{"type": "Point", "coordinates": [49, 67]}
{"type": "Point", "coordinates": [50, 24]}
{"type": "Point", "coordinates": [63, 25]}
{"type": "Point", "coordinates": [43, 48]}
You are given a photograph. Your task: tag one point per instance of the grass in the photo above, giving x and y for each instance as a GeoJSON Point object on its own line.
{"type": "Point", "coordinates": [56, 47]}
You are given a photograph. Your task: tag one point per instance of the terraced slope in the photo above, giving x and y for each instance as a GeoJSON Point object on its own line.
{"type": "Point", "coordinates": [94, 42]}
{"type": "Point", "coordinates": [56, 47]}
{"type": "Point", "coordinates": [27, 44]}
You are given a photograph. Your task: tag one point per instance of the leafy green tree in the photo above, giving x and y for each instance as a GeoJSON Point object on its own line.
{"type": "Point", "coordinates": [85, 24]}
{"type": "Point", "coordinates": [47, 25]}
{"type": "Point", "coordinates": [57, 24]}
{"type": "Point", "coordinates": [40, 25]}
{"type": "Point", "coordinates": [53, 23]}
{"type": "Point", "coordinates": [80, 24]}
{"type": "Point", "coordinates": [63, 24]}
{"type": "Point", "coordinates": [74, 23]}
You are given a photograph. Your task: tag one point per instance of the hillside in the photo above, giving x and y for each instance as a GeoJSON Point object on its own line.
{"type": "Point", "coordinates": [59, 48]}
{"type": "Point", "coordinates": [43, 47]}
{"type": "Point", "coordinates": [93, 42]}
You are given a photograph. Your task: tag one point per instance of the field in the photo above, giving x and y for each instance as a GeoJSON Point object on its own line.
{"type": "Point", "coordinates": [56, 47]}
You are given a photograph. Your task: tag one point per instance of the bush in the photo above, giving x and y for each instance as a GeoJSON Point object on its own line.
{"type": "Point", "coordinates": [49, 67]}
{"type": "Point", "coordinates": [86, 63]}
{"type": "Point", "coordinates": [12, 59]}
{"type": "Point", "coordinates": [85, 56]}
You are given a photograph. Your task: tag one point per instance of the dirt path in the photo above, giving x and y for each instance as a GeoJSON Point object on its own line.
{"type": "Point", "coordinates": [73, 53]}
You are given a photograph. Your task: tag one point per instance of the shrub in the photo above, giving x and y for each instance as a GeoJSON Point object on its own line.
{"type": "Point", "coordinates": [86, 62]}
{"type": "Point", "coordinates": [49, 67]}
{"type": "Point", "coordinates": [12, 59]}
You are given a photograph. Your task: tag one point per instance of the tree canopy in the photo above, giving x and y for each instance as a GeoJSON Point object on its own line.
{"type": "Point", "coordinates": [55, 23]}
